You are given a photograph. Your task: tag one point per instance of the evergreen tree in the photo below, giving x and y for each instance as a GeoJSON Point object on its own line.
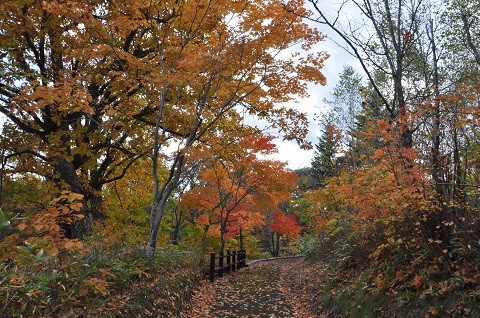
{"type": "Point", "coordinates": [324, 163]}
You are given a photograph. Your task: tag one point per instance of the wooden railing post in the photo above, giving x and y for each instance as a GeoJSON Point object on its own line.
{"type": "Point", "coordinates": [234, 260]}
{"type": "Point", "coordinates": [239, 259]}
{"type": "Point", "coordinates": [228, 262]}
{"type": "Point", "coordinates": [212, 267]}
{"type": "Point", "coordinates": [220, 265]}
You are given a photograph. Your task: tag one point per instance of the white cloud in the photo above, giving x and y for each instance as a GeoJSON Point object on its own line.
{"type": "Point", "coordinates": [290, 152]}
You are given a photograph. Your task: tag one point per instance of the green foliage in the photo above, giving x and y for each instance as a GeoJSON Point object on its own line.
{"type": "Point", "coordinates": [340, 246]}
{"type": "Point", "coordinates": [346, 103]}
{"type": "Point", "coordinates": [31, 254]}
{"type": "Point", "coordinates": [6, 223]}
{"type": "Point", "coordinates": [309, 245]}
{"type": "Point", "coordinates": [24, 194]}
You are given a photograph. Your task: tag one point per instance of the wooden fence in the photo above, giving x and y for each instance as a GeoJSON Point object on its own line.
{"type": "Point", "coordinates": [233, 261]}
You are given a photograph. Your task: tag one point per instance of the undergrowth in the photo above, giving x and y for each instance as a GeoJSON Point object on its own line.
{"type": "Point", "coordinates": [45, 274]}
{"type": "Point", "coordinates": [118, 282]}
{"type": "Point", "coordinates": [376, 274]}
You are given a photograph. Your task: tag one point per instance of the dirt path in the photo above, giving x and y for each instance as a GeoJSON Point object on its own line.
{"type": "Point", "coordinates": [255, 291]}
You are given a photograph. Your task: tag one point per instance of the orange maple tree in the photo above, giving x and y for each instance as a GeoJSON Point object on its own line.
{"type": "Point", "coordinates": [84, 80]}
{"type": "Point", "coordinates": [67, 87]}
{"type": "Point", "coordinates": [238, 187]}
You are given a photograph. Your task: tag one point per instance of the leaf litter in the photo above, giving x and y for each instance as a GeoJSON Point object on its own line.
{"type": "Point", "coordinates": [261, 290]}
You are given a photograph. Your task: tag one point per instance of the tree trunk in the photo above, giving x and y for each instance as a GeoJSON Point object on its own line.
{"type": "Point", "coordinates": [222, 238]}
{"type": "Point", "coordinates": [176, 227]}
{"type": "Point", "coordinates": [241, 240]}
{"type": "Point", "coordinates": [160, 199]}
{"type": "Point", "coordinates": [277, 247]}
{"type": "Point", "coordinates": [271, 248]}
{"type": "Point", "coordinates": [82, 228]}
{"type": "Point", "coordinates": [436, 165]}
{"type": "Point", "coordinates": [96, 205]}
{"type": "Point", "coordinates": [406, 136]}
{"type": "Point", "coordinates": [204, 239]}
{"type": "Point", "coordinates": [468, 36]}
{"type": "Point", "coordinates": [3, 161]}
{"type": "Point", "coordinates": [156, 216]}
{"type": "Point", "coordinates": [174, 235]}
{"type": "Point", "coordinates": [457, 169]}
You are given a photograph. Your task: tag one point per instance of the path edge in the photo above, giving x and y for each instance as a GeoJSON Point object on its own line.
{"type": "Point", "coordinates": [273, 259]}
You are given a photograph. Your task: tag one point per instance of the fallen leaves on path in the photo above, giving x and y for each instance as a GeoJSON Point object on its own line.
{"type": "Point", "coordinates": [300, 283]}
{"type": "Point", "coordinates": [257, 291]}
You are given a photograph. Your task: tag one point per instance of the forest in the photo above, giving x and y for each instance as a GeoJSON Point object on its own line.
{"type": "Point", "coordinates": [139, 136]}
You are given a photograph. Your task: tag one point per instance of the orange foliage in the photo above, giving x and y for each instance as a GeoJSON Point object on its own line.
{"type": "Point", "coordinates": [44, 229]}
{"type": "Point", "coordinates": [413, 211]}
{"type": "Point", "coordinates": [389, 185]}
{"type": "Point", "coordinates": [238, 186]}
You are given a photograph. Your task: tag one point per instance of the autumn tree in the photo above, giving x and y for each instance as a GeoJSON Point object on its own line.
{"type": "Point", "coordinates": [217, 57]}
{"type": "Point", "coordinates": [68, 83]}
{"type": "Point", "coordinates": [385, 41]}
{"type": "Point", "coordinates": [285, 226]}
{"type": "Point", "coordinates": [237, 187]}
{"type": "Point", "coordinates": [79, 77]}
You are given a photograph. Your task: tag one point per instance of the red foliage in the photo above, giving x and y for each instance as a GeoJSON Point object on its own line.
{"type": "Point", "coordinates": [286, 225]}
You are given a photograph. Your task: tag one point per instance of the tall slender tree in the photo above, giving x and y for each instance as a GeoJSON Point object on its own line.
{"type": "Point", "coordinates": [217, 57]}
